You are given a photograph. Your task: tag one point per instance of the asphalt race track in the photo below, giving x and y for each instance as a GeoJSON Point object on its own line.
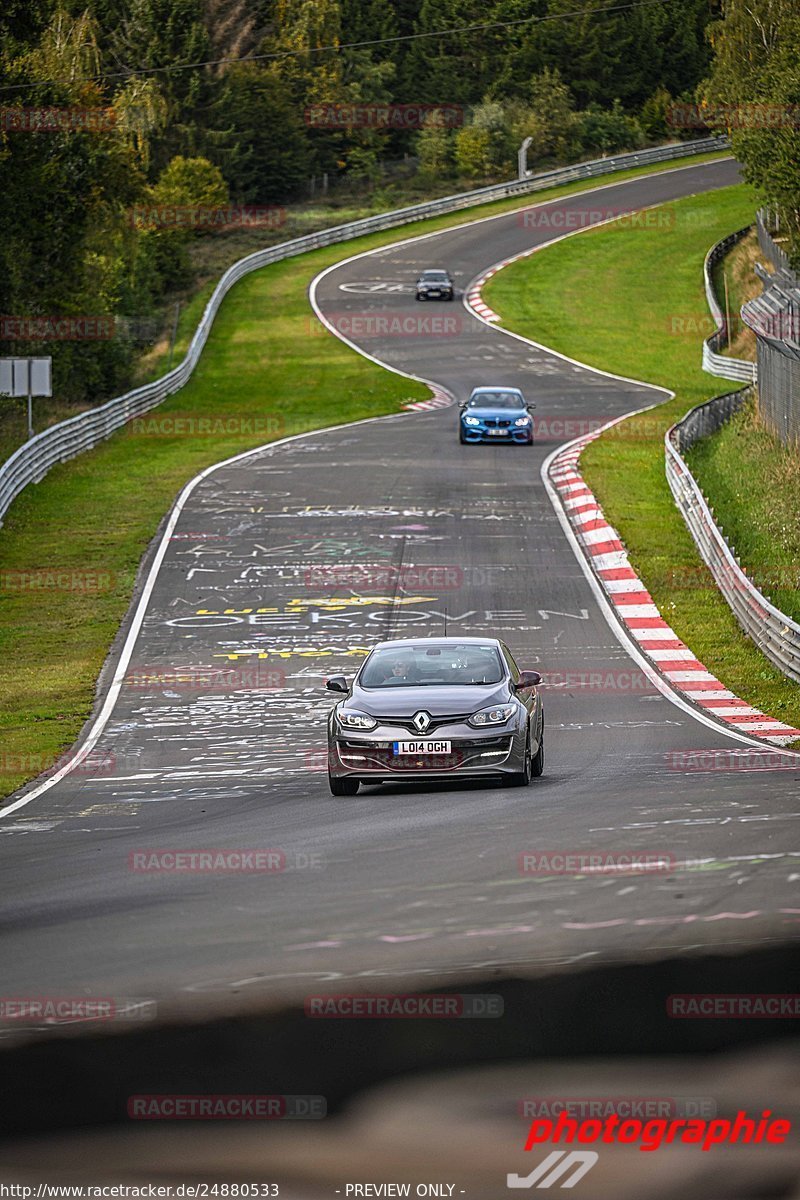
{"type": "Point", "coordinates": [399, 881]}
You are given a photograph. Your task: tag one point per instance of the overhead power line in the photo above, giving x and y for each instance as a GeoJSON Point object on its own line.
{"type": "Point", "coordinates": [337, 46]}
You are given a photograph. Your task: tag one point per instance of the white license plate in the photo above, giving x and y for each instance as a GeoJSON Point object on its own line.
{"type": "Point", "coordinates": [498, 432]}
{"type": "Point", "coordinates": [421, 747]}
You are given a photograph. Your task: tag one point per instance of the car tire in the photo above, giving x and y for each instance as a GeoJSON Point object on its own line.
{"type": "Point", "coordinates": [537, 762]}
{"type": "Point", "coordinates": [461, 437]}
{"type": "Point", "coordinates": [523, 778]}
{"type": "Point", "coordinates": [343, 787]}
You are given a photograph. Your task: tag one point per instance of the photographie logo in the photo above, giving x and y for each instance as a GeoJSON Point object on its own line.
{"type": "Point", "coordinates": [56, 329]}
{"type": "Point", "coordinates": [597, 862]}
{"type": "Point", "coordinates": [651, 1134]}
{"type": "Point", "coordinates": [411, 1006]}
{"type": "Point", "coordinates": [229, 1107]}
{"type": "Point", "coordinates": [370, 324]}
{"type": "Point", "coordinates": [204, 219]}
{"type": "Point", "coordinates": [383, 116]}
{"type": "Point", "coordinates": [57, 120]}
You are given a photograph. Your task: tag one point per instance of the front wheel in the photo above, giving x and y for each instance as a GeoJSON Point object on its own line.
{"type": "Point", "coordinates": [343, 787]}
{"type": "Point", "coordinates": [537, 763]}
{"type": "Point", "coordinates": [523, 777]}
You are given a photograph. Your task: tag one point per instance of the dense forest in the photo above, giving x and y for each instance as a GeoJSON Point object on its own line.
{"type": "Point", "coordinates": [113, 107]}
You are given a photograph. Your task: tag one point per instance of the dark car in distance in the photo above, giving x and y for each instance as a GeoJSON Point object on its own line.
{"type": "Point", "coordinates": [434, 709]}
{"type": "Point", "coordinates": [435, 284]}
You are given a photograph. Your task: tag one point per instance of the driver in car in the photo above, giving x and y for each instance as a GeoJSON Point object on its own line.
{"type": "Point", "coordinates": [402, 672]}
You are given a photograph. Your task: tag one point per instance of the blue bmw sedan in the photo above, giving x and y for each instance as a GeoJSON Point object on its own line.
{"type": "Point", "coordinates": [496, 414]}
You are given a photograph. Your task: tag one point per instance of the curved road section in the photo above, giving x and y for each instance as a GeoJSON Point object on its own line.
{"type": "Point", "coordinates": [284, 567]}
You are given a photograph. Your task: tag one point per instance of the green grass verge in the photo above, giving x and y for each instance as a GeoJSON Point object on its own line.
{"type": "Point", "coordinates": [630, 300]}
{"type": "Point", "coordinates": [755, 482]}
{"type": "Point", "coordinates": [95, 516]}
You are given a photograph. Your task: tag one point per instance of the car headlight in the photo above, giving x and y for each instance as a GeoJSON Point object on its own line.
{"type": "Point", "coordinates": [471, 421]}
{"type": "Point", "coordinates": [522, 421]}
{"type": "Point", "coordinates": [355, 720]}
{"type": "Point", "coordinates": [493, 716]}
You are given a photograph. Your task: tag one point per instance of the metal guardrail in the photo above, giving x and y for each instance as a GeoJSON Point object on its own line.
{"type": "Point", "coordinates": [31, 462]}
{"type": "Point", "coordinates": [766, 220]}
{"type": "Point", "coordinates": [713, 362]}
{"type": "Point", "coordinates": [775, 634]}
{"type": "Point", "coordinates": [774, 317]}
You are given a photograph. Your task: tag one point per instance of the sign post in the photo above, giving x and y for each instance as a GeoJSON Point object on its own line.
{"type": "Point", "coordinates": [26, 377]}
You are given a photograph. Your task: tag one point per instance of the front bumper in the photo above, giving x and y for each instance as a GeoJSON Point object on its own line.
{"type": "Point", "coordinates": [474, 754]}
{"type": "Point", "coordinates": [519, 434]}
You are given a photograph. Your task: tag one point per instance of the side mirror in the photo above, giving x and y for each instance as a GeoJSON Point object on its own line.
{"type": "Point", "coordinates": [462, 404]}
{"type": "Point", "coordinates": [527, 679]}
{"type": "Point", "coordinates": [337, 683]}
{"type": "Point", "coordinates": [530, 405]}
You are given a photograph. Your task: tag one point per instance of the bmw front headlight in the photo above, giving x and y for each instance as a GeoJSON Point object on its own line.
{"type": "Point", "coordinates": [471, 421]}
{"type": "Point", "coordinates": [350, 719]}
{"type": "Point", "coordinates": [522, 421]}
{"type": "Point", "coordinates": [492, 716]}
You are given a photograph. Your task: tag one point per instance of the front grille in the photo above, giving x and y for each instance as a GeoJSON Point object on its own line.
{"type": "Point", "coordinates": [436, 723]}
{"type": "Point", "coordinates": [496, 423]}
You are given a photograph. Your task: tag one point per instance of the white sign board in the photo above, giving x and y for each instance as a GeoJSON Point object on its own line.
{"type": "Point", "coordinates": [25, 377]}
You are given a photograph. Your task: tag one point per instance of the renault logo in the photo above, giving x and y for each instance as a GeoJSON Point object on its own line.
{"type": "Point", "coordinates": [421, 721]}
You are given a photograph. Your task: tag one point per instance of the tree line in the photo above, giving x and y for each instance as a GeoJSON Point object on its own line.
{"type": "Point", "coordinates": [209, 103]}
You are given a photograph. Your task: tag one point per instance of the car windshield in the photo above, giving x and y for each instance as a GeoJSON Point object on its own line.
{"type": "Point", "coordinates": [432, 664]}
{"type": "Point", "coordinates": [435, 276]}
{"type": "Point", "coordinates": [497, 399]}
